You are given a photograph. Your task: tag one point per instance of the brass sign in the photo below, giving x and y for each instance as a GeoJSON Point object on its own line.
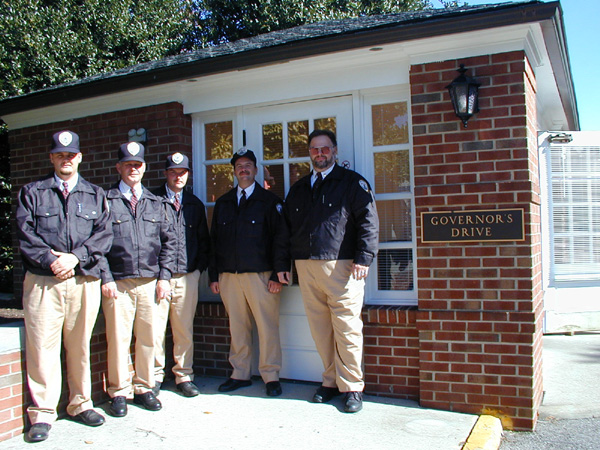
{"type": "Point", "coordinates": [466, 226]}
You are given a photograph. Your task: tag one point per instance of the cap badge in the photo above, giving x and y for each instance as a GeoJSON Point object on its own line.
{"type": "Point", "coordinates": [65, 138]}
{"type": "Point", "coordinates": [364, 185]}
{"type": "Point", "coordinates": [133, 148]}
{"type": "Point", "coordinates": [242, 151]}
{"type": "Point", "coordinates": [177, 158]}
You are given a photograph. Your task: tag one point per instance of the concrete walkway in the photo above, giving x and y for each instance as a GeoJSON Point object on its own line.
{"type": "Point", "coordinates": [246, 419]}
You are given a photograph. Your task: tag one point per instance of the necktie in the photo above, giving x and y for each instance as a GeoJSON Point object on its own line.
{"type": "Point", "coordinates": [65, 191]}
{"type": "Point", "coordinates": [177, 203]}
{"type": "Point", "coordinates": [243, 198]}
{"type": "Point", "coordinates": [133, 201]}
{"type": "Point", "coordinates": [317, 185]}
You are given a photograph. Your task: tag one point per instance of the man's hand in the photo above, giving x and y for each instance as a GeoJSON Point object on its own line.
{"type": "Point", "coordinates": [64, 266]}
{"type": "Point", "coordinates": [109, 290]}
{"type": "Point", "coordinates": [359, 272]}
{"type": "Point", "coordinates": [274, 287]}
{"type": "Point", "coordinates": [163, 290]}
{"type": "Point", "coordinates": [214, 287]}
{"type": "Point", "coordinates": [284, 277]}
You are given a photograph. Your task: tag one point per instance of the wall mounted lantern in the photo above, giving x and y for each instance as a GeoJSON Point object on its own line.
{"type": "Point", "coordinates": [464, 93]}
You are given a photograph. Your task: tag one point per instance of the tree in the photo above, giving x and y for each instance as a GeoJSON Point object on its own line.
{"type": "Point", "coordinates": [48, 42]}
{"type": "Point", "coordinates": [219, 21]}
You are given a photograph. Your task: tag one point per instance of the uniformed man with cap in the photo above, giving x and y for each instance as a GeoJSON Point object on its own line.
{"type": "Point", "coordinates": [249, 239]}
{"type": "Point", "coordinates": [63, 233]}
{"type": "Point", "coordinates": [187, 220]}
{"type": "Point", "coordinates": [135, 276]}
{"type": "Point", "coordinates": [333, 239]}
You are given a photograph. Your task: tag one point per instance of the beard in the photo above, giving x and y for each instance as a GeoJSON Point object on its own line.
{"type": "Point", "coordinates": [324, 163]}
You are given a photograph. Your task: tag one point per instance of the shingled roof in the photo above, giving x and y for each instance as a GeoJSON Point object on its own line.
{"type": "Point", "coordinates": [297, 42]}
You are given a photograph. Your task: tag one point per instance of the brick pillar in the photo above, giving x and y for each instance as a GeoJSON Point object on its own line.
{"type": "Point", "coordinates": [480, 303]}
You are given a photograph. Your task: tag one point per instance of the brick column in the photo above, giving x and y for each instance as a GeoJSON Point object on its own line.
{"type": "Point", "coordinates": [480, 304]}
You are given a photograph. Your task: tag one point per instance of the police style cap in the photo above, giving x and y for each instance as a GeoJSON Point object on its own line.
{"type": "Point", "coordinates": [131, 151]}
{"type": "Point", "coordinates": [243, 153]}
{"type": "Point", "coordinates": [177, 161]}
{"type": "Point", "coordinates": [65, 141]}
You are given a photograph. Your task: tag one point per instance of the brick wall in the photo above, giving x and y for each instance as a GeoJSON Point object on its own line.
{"type": "Point", "coordinates": [13, 395]}
{"type": "Point", "coordinates": [480, 310]}
{"type": "Point", "coordinates": [168, 131]}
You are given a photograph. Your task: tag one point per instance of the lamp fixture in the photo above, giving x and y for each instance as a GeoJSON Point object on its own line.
{"type": "Point", "coordinates": [464, 93]}
{"type": "Point", "coordinates": [137, 135]}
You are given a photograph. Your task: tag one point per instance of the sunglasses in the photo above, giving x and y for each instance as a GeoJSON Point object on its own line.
{"type": "Point", "coordinates": [324, 150]}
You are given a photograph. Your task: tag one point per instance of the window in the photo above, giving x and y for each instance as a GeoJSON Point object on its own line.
{"type": "Point", "coordinates": [389, 155]}
{"type": "Point", "coordinates": [575, 212]}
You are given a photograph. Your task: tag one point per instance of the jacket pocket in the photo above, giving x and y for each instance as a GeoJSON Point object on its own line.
{"type": "Point", "coordinates": [85, 221]}
{"type": "Point", "coordinates": [151, 226]}
{"type": "Point", "coordinates": [47, 220]}
{"type": "Point", "coordinates": [122, 226]}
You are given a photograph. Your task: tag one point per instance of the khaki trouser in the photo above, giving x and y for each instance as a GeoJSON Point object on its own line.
{"type": "Point", "coordinates": [55, 309]}
{"type": "Point", "coordinates": [333, 302]}
{"type": "Point", "coordinates": [179, 310]}
{"type": "Point", "coordinates": [246, 295]}
{"type": "Point", "coordinates": [132, 310]}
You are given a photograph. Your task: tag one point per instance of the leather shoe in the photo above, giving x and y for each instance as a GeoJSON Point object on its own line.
{"type": "Point", "coordinates": [148, 401]}
{"type": "Point", "coordinates": [90, 417]}
{"type": "Point", "coordinates": [353, 402]}
{"type": "Point", "coordinates": [273, 388]}
{"type": "Point", "coordinates": [118, 406]}
{"type": "Point", "coordinates": [324, 394]}
{"type": "Point", "coordinates": [156, 388]}
{"type": "Point", "coordinates": [232, 384]}
{"type": "Point", "coordinates": [39, 432]}
{"type": "Point", "coordinates": [188, 389]}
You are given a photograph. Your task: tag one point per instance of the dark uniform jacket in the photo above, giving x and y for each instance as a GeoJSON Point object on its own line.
{"type": "Point", "coordinates": [341, 223]}
{"type": "Point", "coordinates": [250, 239]}
{"type": "Point", "coordinates": [77, 225]}
{"type": "Point", "coordinates": [142, 246]}
{"type": "Point", "coordinates": [190, 230]}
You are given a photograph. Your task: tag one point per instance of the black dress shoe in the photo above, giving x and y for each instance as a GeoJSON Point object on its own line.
{"type": "Point", "coordinates": [90, 417]}
{"type": "Point", "coordinates": [232, 384]}
{"type": "Point", "coordinates": [273, 389]}
{"type": "Point", "coordinates": [118, 406]}
{"type": "Point", "coordinates": [353, 402]}
{"type": "Point", "coordinates": [324, 394]}
{"type": "Point", "coordinates": [148, 401]}
{"type": "Point", "coordinates": [188, 389]}
{"type": "Point", "coordinates": [156, 388]}
{"type": "Point", "coordinates": [39, 432]}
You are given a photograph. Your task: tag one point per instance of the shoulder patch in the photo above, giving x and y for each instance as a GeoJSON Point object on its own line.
{"type": "Point", "coordinates": [363, 184]}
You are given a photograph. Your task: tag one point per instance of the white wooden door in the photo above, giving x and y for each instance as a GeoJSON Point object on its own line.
{"type": "Point", "coordinates": [278, 135]}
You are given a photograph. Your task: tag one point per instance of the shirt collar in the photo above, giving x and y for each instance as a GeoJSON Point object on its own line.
{"type": "Point", "coordinates": [313, 178]}
{"type": "Point", "coordinates": [70, 184]}
{"type": "Point", "coordinates": [171, 194]}
{"type": "Point", "coordinates": [249, 190]}
{"type": "Point", "coordinates": [126, 190]}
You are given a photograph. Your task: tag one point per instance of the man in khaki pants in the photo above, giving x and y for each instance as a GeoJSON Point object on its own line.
{"type": "Point", "coordinates": [135, 276]}
{"type": "Point", "coordinates": [62, 230]}
{"type": "Point", "coordinates": [248, 249]}
{"type": "Point", "coordinates": [187, 223]}
{"type": "Point", "coordinates": [333, 240]}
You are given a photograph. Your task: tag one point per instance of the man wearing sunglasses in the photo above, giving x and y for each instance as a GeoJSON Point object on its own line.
{"type": "Point", "coordinates": [333, 239]}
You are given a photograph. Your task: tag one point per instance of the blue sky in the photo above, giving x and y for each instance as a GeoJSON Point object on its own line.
{"type": "Point", "coordinates": [583, 33]}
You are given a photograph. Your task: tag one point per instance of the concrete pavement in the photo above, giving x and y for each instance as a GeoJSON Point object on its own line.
{"type": "Point", "coordinates": [246, 419]}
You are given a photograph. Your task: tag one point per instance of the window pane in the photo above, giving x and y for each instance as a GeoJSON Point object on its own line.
{"type": "Point", "coordinates": [395, 270]}
{"type": "Point", "coordinates": [219, 179]}
{"type": "Point", "coordinates": [390, 123]}
{"type": "Point", "coordinates": [298, 170]}
{"type": "Point", "coordinates": [298, 139]}
{"type": "Point", "coordinates": [219, 140]}
{"type": "Point", "coordinates": [326, 123]}
{"type": "Point", "coordinates": [394, 220]}
{"type": "Point", "coordinates": [273, 141]}
{"type": "Point", "coordinates": [392, 172]}
{"type": "Point", "coordinates": [274, 180]}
